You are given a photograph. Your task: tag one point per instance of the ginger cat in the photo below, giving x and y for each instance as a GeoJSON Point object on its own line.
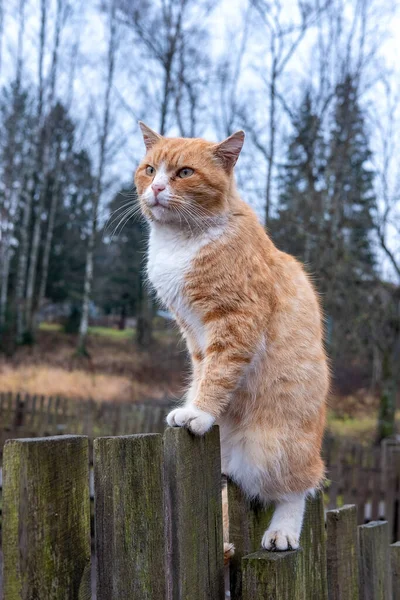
{"type": "Point", "coordinates": [251, 320]}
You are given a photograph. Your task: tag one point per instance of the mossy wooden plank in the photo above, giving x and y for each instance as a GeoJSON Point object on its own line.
{"type": "Point", "coordinates": [395, 569]}
{"type": "Point", "coordinates": [374, 562]}
{"type": "Point", "coordinates": [247, 523]}
{"type": "Point", "coordinates": [129, 518]}
{"type": "Point", "coordinates": [46, 519]}
{"type": "Point", "coordinates": [193, 469]}
{"type": "Point", "coordinates": [273, 576]}
{"type": "Point", "coordinates": [313, 545]}
{"type": "Point", "coordinates": [342, 559]}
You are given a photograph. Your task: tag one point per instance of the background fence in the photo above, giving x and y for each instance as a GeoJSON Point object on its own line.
{"type": "Point", "coordinates": [158, 523]}
{"type": "Point", "coordinates": [368, 476]}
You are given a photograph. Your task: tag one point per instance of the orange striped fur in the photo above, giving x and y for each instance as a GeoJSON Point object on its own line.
{"type": "Point", "coordinates": [251, 319]}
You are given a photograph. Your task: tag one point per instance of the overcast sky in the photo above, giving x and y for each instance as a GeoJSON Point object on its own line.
{"type": "Point", "coordinates": [87, 29]}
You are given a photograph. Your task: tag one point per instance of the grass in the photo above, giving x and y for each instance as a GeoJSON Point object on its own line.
{"type": "Point", "coordinates": [109, 332]}
{"type": "Point", "coordinates": [361, 427]}
{"type": "Point", "coordinates": [116, 369]}
{"type": "Point", "coordinates": [50, 327]}
{"type": "Point", "coordinates": [115, 334]}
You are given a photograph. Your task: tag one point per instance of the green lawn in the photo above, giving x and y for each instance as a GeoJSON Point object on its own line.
{"type": "Point", "coordinates": [114, 334]}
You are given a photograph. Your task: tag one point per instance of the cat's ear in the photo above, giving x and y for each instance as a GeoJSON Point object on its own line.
{"type": "Point", "coordinates": [150, 137]}
{"type": "Point", "coordinates": [228, 151]}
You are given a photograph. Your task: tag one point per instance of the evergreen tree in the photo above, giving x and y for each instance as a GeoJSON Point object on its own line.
{"type": "Point", "coordinates": [325, 216]}
{"type": "Point", "coordinates": [350, 182]}
{"type": "Point", "coordinates": [300, 220]}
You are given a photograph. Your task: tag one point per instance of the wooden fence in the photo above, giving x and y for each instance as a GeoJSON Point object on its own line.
{"type": "Point", "coordinates": [367, 476]}
{"type": "Point", "coordinates": [158, 529]}
{"type": "Point", "coordinates": [24, 415]}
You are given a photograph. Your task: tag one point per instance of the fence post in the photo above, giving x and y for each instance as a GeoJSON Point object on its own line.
{"type": "Point", "coordinates": [129, 517]}
{"type": "Point", "coordinates": [194, 512]}
{"type": "Point", "coordinates": [247, 523]}
{"type": "Point", "coordinates": [313, 545]}
{"type": "Point", "coordinates": [46, 519]}
{"type": "Point", "coordinates": [374, 560]}
{"type": "Point", "coordinates": [273, 576]}
{"type": "Point", "coordinates": [395, 568]}
{"type": "Point", "coordinates": [342, 553]}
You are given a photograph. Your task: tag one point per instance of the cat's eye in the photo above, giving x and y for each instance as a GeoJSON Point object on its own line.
{"type": "Point", "coordinates": [185, 172]}
{"type": "Point", "coordinates": [150, 170]}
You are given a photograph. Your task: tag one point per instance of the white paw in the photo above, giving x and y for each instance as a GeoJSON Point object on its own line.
{"type": "Point", "coordinates": [196, 420]}
{"type": "Point", "coordinates": [280, 539]}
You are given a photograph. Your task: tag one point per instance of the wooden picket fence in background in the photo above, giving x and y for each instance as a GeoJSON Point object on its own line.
{"type": "Point", "coordinates": [158, 525]}
{"type": "Point", "coordinates": [368, 476]}
{"type": "Point", "coordinates": [24, 415]}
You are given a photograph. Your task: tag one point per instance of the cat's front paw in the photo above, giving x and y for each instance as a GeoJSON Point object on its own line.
{"type": "Point", "coordinates": [280, 540]}
{"type": "Point", "coordinates": [196, 420]}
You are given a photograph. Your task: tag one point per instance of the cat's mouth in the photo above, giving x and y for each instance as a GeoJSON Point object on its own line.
{"type": "Point", "coordinates": [160, 211]}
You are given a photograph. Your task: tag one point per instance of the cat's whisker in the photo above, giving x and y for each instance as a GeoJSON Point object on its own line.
{"type": "Point", "coordinates": [114, 212]}
{"type": "Point", "coordinates": [124, 219]}
{"type": "Point", "coordinates": [117, 218]}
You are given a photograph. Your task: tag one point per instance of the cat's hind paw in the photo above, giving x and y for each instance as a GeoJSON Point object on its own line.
{"type": "Point", "coordinates": [280, 540]}
{"type": "Point", "coordinates": [229, 551]}
{"type": "Point", "coordinates": [196, 420]}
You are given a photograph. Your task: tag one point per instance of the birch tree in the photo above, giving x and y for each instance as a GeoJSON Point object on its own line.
{"type": "Point", "coordinates": [54, 166]}
{"type": "Point", "coordinates": [104, 134]}
{"type": "Point", "coordinates": [10, 195]}
{"type": "Point", "coordinates": [44, 162]}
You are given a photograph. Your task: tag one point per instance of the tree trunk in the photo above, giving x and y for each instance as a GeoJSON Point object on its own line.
{"type": "Point", "coordinates": [122, 318]}
{"type": "Point", "coordinates": [23, 262]}
{"type": "Point", "coordinates": [144, 326]}
{"type": "Point", "coordinates": [5, 272]}
{"type": "Point", "coordinates": [87, 290]}
{"type": "Point", "coordinates": [47, 246]}
{"type": "Point", "coordinates": [112, 46]}
{"type": "Point", "coordinates": [387, 405]}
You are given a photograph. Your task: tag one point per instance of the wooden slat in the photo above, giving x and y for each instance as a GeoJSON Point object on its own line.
{"type": "Point", "coordinates": [129, 518]}
{"type": "Point", "coordinates": [193, 469]}
{"type": "Point", "coordinates": [313, 544]}
{"type": "Point", "coordinates": [395, 569]}
{"type": "Point", "coordinates": [46, 519]}
{"type": "Point", "coordinates": [376, 478]}
{"type": "Point", "coordinates": [373, 541]}
{"type": "Point", "coordinates": [273, 576]}
{"type": "Point", "coordinates": [342, 553]}
{"type": "Point", "coordinates": [247, 523]}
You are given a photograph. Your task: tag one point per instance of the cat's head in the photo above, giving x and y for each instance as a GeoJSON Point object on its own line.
{"type": "Point", "coordinates": [186, 181]}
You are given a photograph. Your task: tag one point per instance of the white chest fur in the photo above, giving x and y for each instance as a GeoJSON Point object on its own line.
{"type": "Point", "coordinates": [170, 258]}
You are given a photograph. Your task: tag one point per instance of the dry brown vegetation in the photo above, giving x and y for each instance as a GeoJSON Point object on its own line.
{"type": "Point", "coordinates": [117, 370]}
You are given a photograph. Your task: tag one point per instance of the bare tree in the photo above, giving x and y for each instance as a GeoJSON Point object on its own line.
{"type": "Point", "coordinates": [1, 32]}
{"type": "Point", "coordinates": [102, 149]}
{"type": "Point", "coordinates": [284, 39]}
{"type": "Point", "coordinates": [10, 200]}
{"type": "Point", "coordinates": [53, 165]}
{"type": "Point", "coordinates": [44, 159]}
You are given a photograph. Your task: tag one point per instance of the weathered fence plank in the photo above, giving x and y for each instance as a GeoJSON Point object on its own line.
{"type": "Point", "coordinates": [273, 576]}
{"type": "Point", "coordinates": [341, 548]}
{"type": "Point", "coordinates": [313, 545]}
{"type": "Point", "coordinates": [374, 563]}
{"type": "Point", "coordinates": [46, 519]}
{"type": "Point", "coordinates": [395, 568]}
{"type": "Point", "coordinates": [193, 469]}
{"type": "Point", "coordinates": [247, 523]}
{"type": "Point", "coordinates": [129, 518]}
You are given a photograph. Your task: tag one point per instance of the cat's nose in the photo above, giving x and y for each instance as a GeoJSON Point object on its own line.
{"type": "Point", "coordinates": [157, 188]}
